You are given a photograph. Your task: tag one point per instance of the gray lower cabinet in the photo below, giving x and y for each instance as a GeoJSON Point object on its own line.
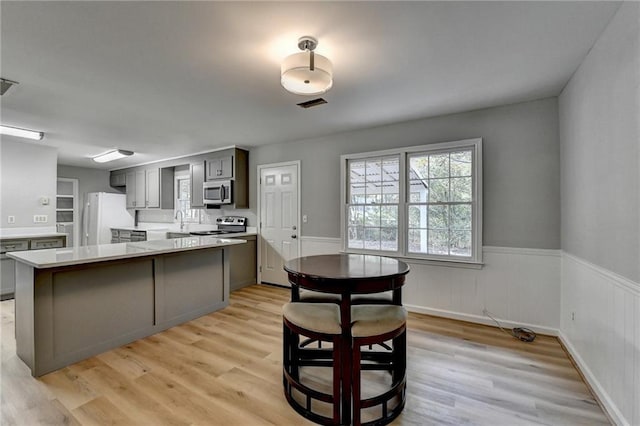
{"type": "Point", "coordinates": [127, 235]}
{"type": "Point", "coordinates": [8, 278]}
{"type": "Point", "coordinates": [243, 260]}
{"type": "Point", "coordinates": [8, 266]}
{"type": "Point", "coordinates": [68, 313]}
{"type": "Point", "coordinates": [243, 263]}
{"type": "Point", "coordinates": [46, 243]}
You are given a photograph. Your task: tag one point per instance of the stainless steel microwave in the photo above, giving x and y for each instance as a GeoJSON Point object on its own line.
{"type": "Point", "coordinates": [217, 192]}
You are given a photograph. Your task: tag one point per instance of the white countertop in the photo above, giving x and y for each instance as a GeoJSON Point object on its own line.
{"type": "Point", "coordinates": [36, 232]}
{"type": "Point", "coordinates": [175, 227]}
{"type": "Point", "coordinates": [51, 258]}
{"type": "Point", "coordinates": [229, 235]}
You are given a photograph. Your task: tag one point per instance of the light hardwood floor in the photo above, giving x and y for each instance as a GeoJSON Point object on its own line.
{"type": "Point", "coordinates": [225, 369]}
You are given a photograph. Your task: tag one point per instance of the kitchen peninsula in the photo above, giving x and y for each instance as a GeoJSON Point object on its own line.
{"type": "Point", "coordinates": [73, 303]}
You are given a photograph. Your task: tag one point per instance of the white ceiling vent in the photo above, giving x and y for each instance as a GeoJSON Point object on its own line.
{"type": "Point", "coordinates": [6, 85]}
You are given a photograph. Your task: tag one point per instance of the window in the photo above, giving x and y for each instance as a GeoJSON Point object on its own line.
{"type": "Point", "coordinates": [418, 202]}
{"type": "Point", "coordinates": [374, 194]}
{"type": "Point", "coordinates": [183, 200]}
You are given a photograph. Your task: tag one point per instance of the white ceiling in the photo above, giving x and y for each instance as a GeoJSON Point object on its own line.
{"type": "Point", "coordinates": [167, 79]}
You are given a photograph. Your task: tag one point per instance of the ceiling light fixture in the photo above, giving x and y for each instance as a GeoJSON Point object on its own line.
{"type": "Point", "coordinates": [21, 133]}
{"type": "Point", "coordinates": [112, 155]}
{"type": "Point", "coordinates": [306, 73]}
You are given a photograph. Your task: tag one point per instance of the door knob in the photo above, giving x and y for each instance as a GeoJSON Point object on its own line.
{"type": "Point", "coordinates": [294, 236]}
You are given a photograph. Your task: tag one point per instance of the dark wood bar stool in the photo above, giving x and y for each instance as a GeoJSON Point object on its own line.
{"type": "Point", "coordinates": [351, 277]}
{"type": "Point", "coordinates": [375, 325]}
{"type": "Point", "coordinates": [310, 296]}
{"type": "Point", "coordinates": [318, 321]}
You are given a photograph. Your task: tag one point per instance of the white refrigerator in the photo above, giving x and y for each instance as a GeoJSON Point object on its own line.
{"type": "Point", "coordinates": [103, 211]}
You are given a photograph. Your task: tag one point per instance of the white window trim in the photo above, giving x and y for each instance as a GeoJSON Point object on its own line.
{"type": "Point", "coordinates": [475, 144]}
{"type": "Point", "coordinates": [182, 175]}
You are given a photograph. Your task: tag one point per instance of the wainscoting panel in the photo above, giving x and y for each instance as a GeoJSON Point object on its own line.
{"type": "Point", "coordinates": [311, 246]}
{"type": "Point", "coordinates": [520, 287]}
{"type": "Point", "coordinates": [596, 311]}
{"type": "Point", "coordinates": [600, 326]}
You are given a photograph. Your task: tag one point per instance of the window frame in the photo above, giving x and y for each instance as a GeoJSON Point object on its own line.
{"type": "Point", "coordinates": [475, 145]}
{"type": "Point", "coordinates": [176, 202]}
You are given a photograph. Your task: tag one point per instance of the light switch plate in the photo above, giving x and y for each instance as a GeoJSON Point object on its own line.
{"type": "Point", "coordinates": [11, 219]}
{"type": "Point", "coordinates": [304, 218]}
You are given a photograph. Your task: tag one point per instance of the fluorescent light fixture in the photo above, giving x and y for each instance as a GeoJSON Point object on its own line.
{"type": "Point", "coordinates": [21, 133]}
{"type": "Point", "coordinates": [116, 154]}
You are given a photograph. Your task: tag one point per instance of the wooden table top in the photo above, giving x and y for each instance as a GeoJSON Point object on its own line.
{"type": "Point", "coordinates": [346, 267]}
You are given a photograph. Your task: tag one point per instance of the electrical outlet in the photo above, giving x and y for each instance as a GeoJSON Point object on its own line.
{"type": "Point", "coordinates": [304, 218]}
{"type": "Point", "coordinates": [11, 219]}
{"type": "Point", "coordinates": [40, 218]}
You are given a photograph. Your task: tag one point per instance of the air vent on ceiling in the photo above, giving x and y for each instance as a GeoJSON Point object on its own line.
{"type": "Point", "coordinates": [312, 103]}
{"type": "Point", "coordinates": [6, 85]}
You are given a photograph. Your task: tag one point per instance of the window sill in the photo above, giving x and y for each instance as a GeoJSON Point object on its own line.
{"type": "Point", "coordinates": [430, 262]}
{"type": "Point", "coordinates": [446, 263]}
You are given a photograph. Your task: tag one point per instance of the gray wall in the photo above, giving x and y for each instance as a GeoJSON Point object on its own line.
{"type": "Point", "coordinates": [27, 173]}
{"type": "Point", "coordinates": [89, 180]}
{"type": "Point", "coordinates": [599, 116]}
{"type": "Point", "coordinates": [521, 169]}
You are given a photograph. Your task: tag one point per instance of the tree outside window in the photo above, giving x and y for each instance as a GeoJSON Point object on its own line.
{"type": "Point", "coordinates": [422, 202]}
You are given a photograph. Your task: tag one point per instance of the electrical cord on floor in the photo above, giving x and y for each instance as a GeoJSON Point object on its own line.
{"type": "Point", "coordinates": [520, 333]}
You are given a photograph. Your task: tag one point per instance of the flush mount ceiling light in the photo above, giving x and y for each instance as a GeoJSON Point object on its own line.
{"type": "Point", "coordinates": [112, 155]}
{"type": "Point", "coordinates": [21, 133]}
{"type": "Point", "coordinates": [306, 73]}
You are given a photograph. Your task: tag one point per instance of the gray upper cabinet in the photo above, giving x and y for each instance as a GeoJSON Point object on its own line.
{"type": "Point", "coordinates": [150, 188]}
{"type": "Point", "coordinates": [197, 179]}
{"type": "Point", "coordinates": [233, 166]}
{"type": "Point", "coordinates": [153, 188]}
{"type": "Point", "coordinates": [219, 168]}
{"type": "Point", "coordinates": [141, 189]}
{"type": "Point", "coordinates": [241, 179]}
{"type": "Point", "coordinates": [130, 183]}
{"type": "Point", "coordinates": [118, 179]}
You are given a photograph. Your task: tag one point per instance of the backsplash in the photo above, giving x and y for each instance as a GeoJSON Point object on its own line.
{"type": "Point", "coordinates": [206, 216]}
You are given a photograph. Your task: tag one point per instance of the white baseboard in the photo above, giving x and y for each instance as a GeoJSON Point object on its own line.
{"type": "Point", "coordinates": [549, 331]}
{"type": "Point", "coordinates": [603, 397]}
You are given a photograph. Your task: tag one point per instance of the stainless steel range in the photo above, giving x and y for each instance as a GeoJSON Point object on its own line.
{"type": "Point", "coordinates": [226, 225]}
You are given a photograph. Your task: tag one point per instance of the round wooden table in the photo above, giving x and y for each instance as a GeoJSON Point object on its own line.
{"type": "Point", "coordinates": [346, 275]}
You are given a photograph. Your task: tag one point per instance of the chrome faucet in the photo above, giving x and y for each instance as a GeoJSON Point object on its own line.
{"type": "Point", "coordinates": [181, 219]}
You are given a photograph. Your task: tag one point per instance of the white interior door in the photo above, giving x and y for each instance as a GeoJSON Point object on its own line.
{"type": "Point", "coordinates": [278, 220]}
